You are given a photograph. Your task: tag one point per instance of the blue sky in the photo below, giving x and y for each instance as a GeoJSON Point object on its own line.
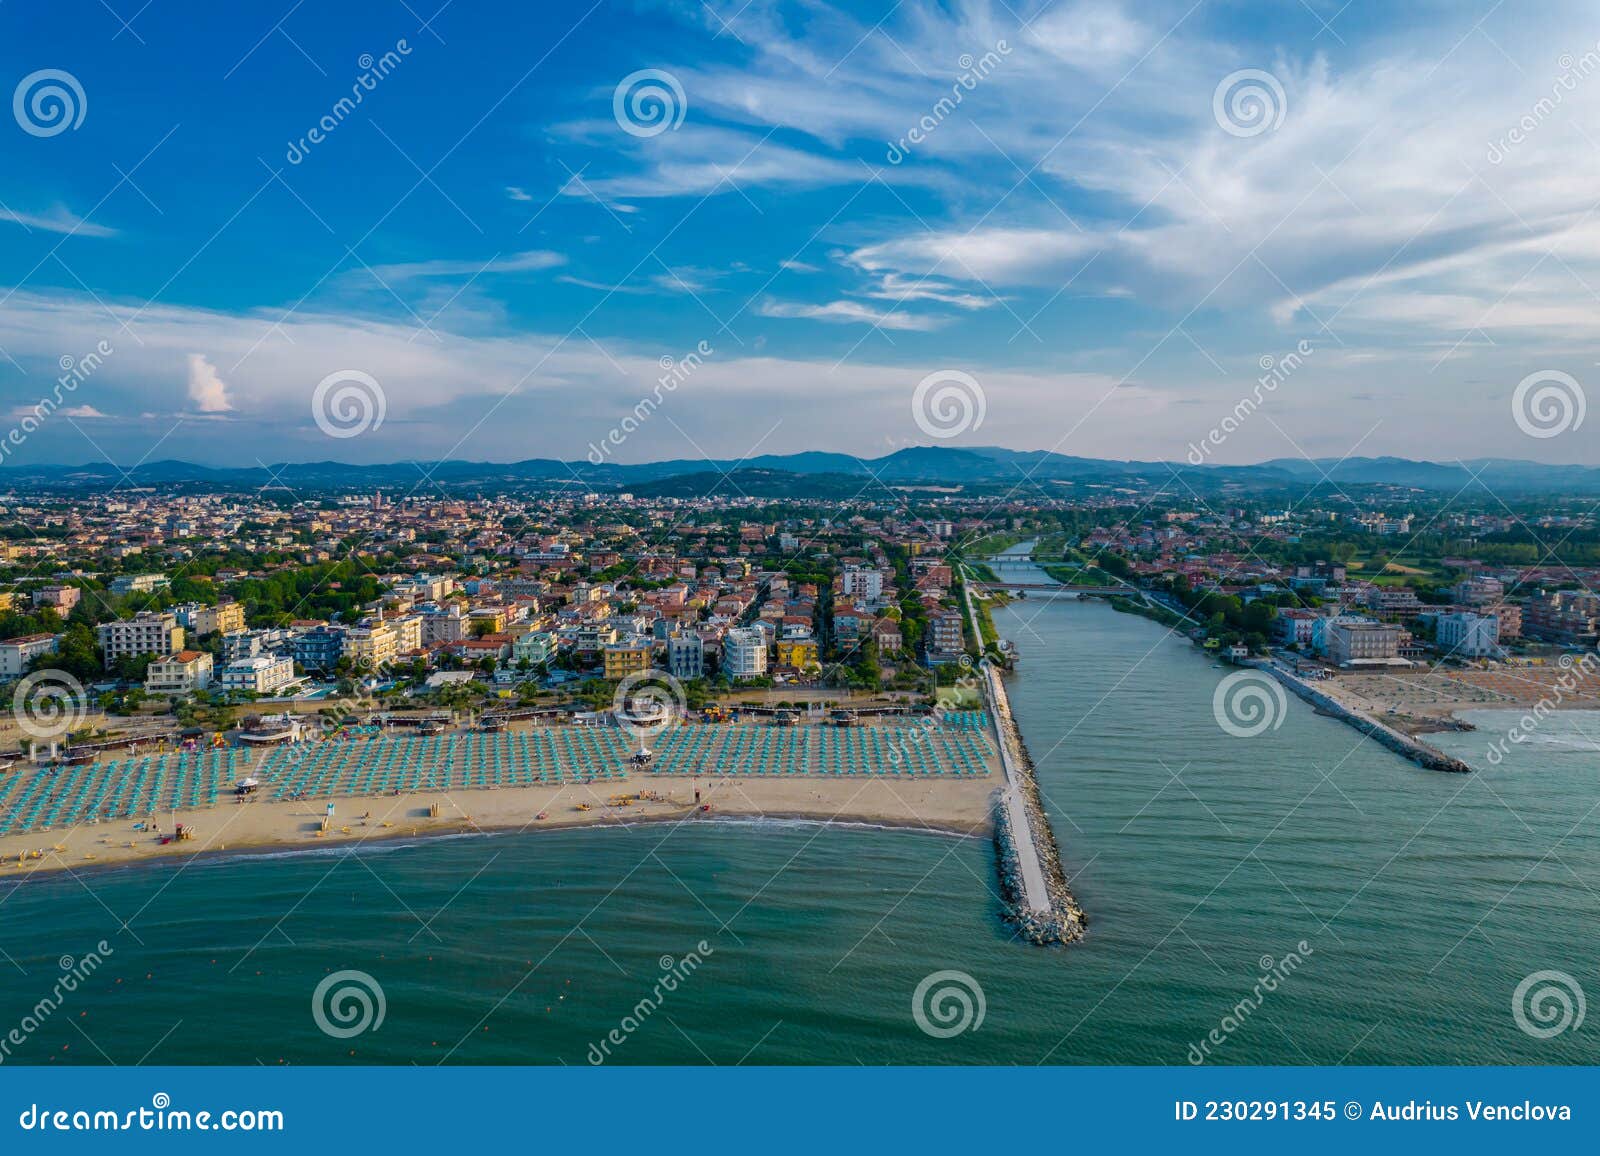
{"type": "Point", "coordinates": [1102, 246]}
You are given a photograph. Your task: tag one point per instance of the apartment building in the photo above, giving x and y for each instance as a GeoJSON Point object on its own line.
{"type": "Point", "coordinates": [946, 639]}
{"type": "Point", "coordinates": [1479, 591]}
{"type": "Point", "coordinates": [179, 673]}
{"type": "Point", "coordinates": [371, 645]}
{"type": "Point", "coordinates": [800, 653]}
{"type": "Point", "coordinates": [223, 618]}
{"type": "Point", "coordinates": [860, 582]}
{"type": "Point", "coordinates": [444, 626]}
{"type": "Point", "coordinates": [1570, 617]}
{"type": "Point", "coordinates": [318, 648]}
{"type": "Point", "coordinates": [1465, 634]}
{"type": "Point", "coordinates": [626, 656]}
{"type": "Point", "coordinates": [61, 599]}
{"type": "Point", "coordinates": [744, 653]}
{"type": "Point", "coordinates": [537, 647]}
{"type": "Point", "coordinates": [408, 633]}
{"type": "Point", "coordinates": [148, 632]}
{"type": "Point", "coordinates": [1294, 625]}
{"type": "Point", "coordinates": [139, 583]}
{"type": "Point", "coordinates": [686, 656]}
{"type": "Point", "coordinates": [1393, 600]}
{"type": "Point", "coordinates": [16, 653]}
{"type": "Point", "coordinates": [1510, 616]}
{"type": "Point", "coordinates": [1351, 643]}
{"type": "Point", "coordinates": [263, 674]}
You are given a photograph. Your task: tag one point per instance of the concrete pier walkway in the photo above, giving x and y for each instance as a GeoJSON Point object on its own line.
{"type": "Point", "coordinates": [1035, 895]}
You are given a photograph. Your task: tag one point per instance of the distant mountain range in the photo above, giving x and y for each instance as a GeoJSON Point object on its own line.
{"type": "Point", "coordinates": [821, 473]}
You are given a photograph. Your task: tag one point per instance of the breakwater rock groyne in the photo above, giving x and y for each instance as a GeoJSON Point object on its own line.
{"type": "Point", "coordinates": [1032, 883]}
{"type": "Point", "coordinates": [1402, 744]}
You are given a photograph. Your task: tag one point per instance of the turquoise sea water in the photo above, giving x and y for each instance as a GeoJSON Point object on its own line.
{"type": "Point", "coordinates": [1424, 900]}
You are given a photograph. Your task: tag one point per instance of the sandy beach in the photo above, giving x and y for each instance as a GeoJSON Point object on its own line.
{"type": "Point", "coordinates": [948, 804]}
{"type": "Point", "coordinates": [1425, 699]}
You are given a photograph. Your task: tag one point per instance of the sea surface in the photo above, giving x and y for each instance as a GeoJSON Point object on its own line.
{"type": "Point", "coordinates": [1393, 911]}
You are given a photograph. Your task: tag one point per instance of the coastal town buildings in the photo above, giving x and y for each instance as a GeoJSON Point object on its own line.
{"type": "Point", "coordinates": [180, 673]}
{"type": "Point", "coordinates": [263, 674]}
{"type": "Point", "coordinates": [1466, 634]}
{"type": "Point", "coordinates": [686, 656]}
{"type": "Point", "coordinates": [744, 653]}
{"type": "Point", "coordinates": [1364, 643]}
{"type": "Point", "coordinates": [148, 632]}
{"type": "Point", "coordinates": [17, 653]}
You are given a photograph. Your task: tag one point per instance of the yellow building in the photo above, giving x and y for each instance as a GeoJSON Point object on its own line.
{"type": "Point", "coordinates": [371, 646]}
{"type": "Point", "coordinates": [224, 618]}
{"type": "Point", "coordinates": [627, 657]}
{"type": "Point", "coordinates": [800, 653]}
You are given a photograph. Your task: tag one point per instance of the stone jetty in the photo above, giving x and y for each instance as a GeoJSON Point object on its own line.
{"type": "Point", "coordinates": [1402, 744]}
{"type": "Point", "coordinates": [1032, 884]}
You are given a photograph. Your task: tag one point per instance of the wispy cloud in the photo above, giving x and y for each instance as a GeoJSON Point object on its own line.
{"type": "Point", "coordinates": [57, 220]}
{"type": "Point", "coordinates": [530, 261]}
{"type": "Point", "coordinates": [850, 312]}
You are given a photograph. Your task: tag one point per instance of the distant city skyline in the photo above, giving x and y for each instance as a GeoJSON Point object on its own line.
{"type": "Point", "coordinates": [1096, 228]}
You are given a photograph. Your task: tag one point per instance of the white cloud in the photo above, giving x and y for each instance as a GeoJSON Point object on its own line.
{"type": "Point", "coordinates": [993, 255]}
{"type": "Point", "coordinates": [849, 312]}
{"type": "Point", "coordinates": [1392, 174]}
{"type": "Point", "coordinates": [1088, 35]}
{"type": "Point", "coordinates": [57, 220]}
{"type": "Point", "coordinates": [531, 260]}
{"type": "Point", "coordinates": [207, 391]}
{"type": "Point", "coordinates": [701, 160]}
